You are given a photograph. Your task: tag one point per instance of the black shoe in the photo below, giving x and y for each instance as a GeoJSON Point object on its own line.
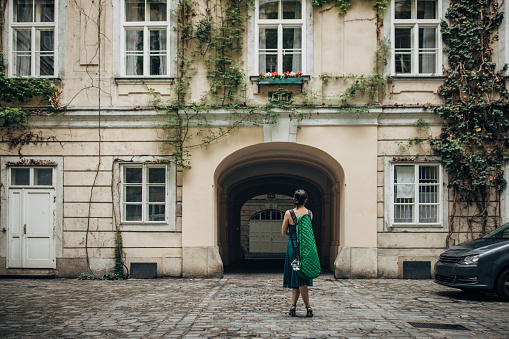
{"type": "Point", "coordinates": [309, 312]}
{"type": "Point", "coordinates": [292, 310]}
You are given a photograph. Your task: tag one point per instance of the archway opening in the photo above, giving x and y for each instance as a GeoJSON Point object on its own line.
{"type": "Point", "coordinates": [264, 180]}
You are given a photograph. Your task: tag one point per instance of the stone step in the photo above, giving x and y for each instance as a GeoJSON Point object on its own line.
{"type": "Point", "coordinates": [29, 273]}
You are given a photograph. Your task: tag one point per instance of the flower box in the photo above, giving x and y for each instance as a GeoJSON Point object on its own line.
{"type": "Point", "coordinates": [280, 81]}
{"type": "Point", "coordinates": [284, 79]}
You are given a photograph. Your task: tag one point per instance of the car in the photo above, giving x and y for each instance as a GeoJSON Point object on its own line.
{"type": "Point", "coordinates": [478, 265]}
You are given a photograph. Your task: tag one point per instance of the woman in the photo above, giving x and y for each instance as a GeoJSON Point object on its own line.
{"type": "Point", "coordinates": [290, 277]}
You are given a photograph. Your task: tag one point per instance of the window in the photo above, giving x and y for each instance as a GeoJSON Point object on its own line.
{"type": "Point", "coordinates": [33, 36]}
{"type": "Point", "coordinates": [146, 33]}
{"type": "Point", "coordinates": [416, 194]}
{"type": "Point", "coordinates": [268, 215]}
{"type": "Point", "coordinates": [279, 35]}
{"type": "Point", "coordinates": [31, 176]}
{"type": "Point", "coordinates": [416, 42]}
{"type": "Point", "coordinates": [144, 193]}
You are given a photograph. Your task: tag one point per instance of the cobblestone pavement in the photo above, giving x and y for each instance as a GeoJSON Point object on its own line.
{"type": "Point", "coordinates": [243, 305]}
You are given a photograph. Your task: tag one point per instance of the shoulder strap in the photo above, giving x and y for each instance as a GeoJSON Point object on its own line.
{"type": "Point", "coordinates": [294, 217]}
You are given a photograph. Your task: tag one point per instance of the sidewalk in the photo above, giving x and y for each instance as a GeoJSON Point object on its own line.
{"type": "Point", "coordinates": [243, 305]}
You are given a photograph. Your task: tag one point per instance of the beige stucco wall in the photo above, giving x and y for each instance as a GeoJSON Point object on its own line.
{"type": "Point", "coordinates": [130, 127]}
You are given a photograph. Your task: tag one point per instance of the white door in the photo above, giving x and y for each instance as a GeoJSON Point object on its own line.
{"type": "Point", "coordinates": [265, 237]}
{"type": "Point", "coordinates": [31, 228]}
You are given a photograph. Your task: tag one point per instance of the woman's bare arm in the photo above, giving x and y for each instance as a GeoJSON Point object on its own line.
{"type": "Point", "coordinates": [284, 227]}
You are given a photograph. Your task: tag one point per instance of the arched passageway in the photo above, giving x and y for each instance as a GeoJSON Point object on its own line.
{"type": "Point", "coordinates": [278, 169]}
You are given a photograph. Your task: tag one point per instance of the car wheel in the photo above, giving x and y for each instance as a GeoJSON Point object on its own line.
{"type": "Point", "coordinates": [502, 285]}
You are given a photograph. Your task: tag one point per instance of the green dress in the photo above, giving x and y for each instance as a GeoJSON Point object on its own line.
{"type": "Point", "coordinates": [290, 277]}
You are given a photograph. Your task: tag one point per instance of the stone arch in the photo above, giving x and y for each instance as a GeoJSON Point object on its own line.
{"type": "Point", "coordinates": [281, 168]}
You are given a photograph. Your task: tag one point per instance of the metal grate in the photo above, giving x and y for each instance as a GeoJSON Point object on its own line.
{"type": "Point", "coordinates": [448, 258]}
{"type": "Point", "coordinates": [439, 326]}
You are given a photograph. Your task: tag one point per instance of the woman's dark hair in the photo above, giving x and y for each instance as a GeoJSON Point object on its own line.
{"type": "Point", "coordinates": [299, 197]}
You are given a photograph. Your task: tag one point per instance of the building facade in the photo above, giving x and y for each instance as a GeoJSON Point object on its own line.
{"type": "Point", "coordinates": [104, 163]}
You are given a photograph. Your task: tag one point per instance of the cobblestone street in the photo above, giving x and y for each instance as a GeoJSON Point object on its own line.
{"type": "Point", "coordinates": [243, 305]}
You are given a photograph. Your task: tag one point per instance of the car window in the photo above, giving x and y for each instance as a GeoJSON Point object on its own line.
{"type": "Point", "coordinates": [500, 233]}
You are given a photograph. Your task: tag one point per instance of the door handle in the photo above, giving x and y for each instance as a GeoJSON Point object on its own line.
{"type": "Point", "coordinates": [25, 229]}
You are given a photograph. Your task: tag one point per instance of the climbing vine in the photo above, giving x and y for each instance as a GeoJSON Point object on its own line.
{"type": "Point", "coordinates": [473, 141]}
{"type": "Point", "coordinates": [213, 33]}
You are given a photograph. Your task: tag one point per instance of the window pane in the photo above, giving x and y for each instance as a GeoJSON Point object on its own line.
{"type": "Point", "coordinates": [268, 49]}
{"type": "Point", "coordinates": [46, 65]}
{"type": "Point", "coordinates": [158, 52]}
{"type": "Point", "coordinates": [43, 176]}
{"type": "Point", "coordinates": [133, 212]}
{"type": "Point", "coordinates": [134, 40]}
{"type": "Point", "coordinates": [23, 10]}
{"type": "Point", "coordinates": [268, 9]}
{"type": "Point", "coordinates": [403, 55]}
{"type": "Point", "coordinates": [403, 213]}
{"type": "Point", "coordinates": [45, 62]}
{"type": "Point", "coordinates": [156, 194]}
{"type": "Point", "coordinates": [158, 65]}
{"type": "Point", "coordinates": [158, 40]}
{"type": "Point", "coordinates": [292, 62]}
{"type": "Point", "coordinates": [20, 176]}
{"type": "Point", "coordinates": [426, 9]}
{"type": "Point", "coordinates": [428, 174]}
{"type": "Point", "coordinates": [427, 50]}
{"type": "Point", "coordinates": [157, 10]}
{"type": "Point", "coordinates": [428, 194]}
{"type": "Point", "coordinates": [135, 10]}
{"type": "Point", "coordinates": [156, 175]}
{"type": "Point", "coordinates": [428, 214]}
{"type": "Point", "coordinates": [134, 65]}
{"type": "Point", "coordinates": [292, 38]}
{"type": "Point", "coordinates": [134, 52]}
{"type": "Point", "coordinates": [133, 175]}
{"type": "Point", "coordinates": [403, 38]}
{"type": "Point", "coordinates": [427, 38]}
{"type": "Point", "coordinates": [23, 40]}
{"type": "Point", "coordinates": [292, 49]}
{"type": "Point", "coordinates": [404, 182]}
{"type": "Point", "coordinates": [292, 9]}
{"type": "Point", "coordinates": [45, 10]}
{"type": "Point", "coordinates": [45, 41]}
{"type": "Point", "coordinates": [22, 48]}
{"type": "Point", "coordinates": [403, 9]}
{"type": "Point", "coordinates": [133, 194]}
{"type": "Point", "coordinates": [156, 213]}
{"type": "Point", "coordinates": [268, 38]}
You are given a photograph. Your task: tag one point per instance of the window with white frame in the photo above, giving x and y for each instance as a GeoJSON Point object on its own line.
{"type": "Point", "coordinates": [416, 194]}
{"type": "Point", "coordinates": [145, 37]}
{"type": "Point", "coordinates": [33, 38]}
{"type": "Point", "coordinates": [144, 193]}
{"type": "Point", "coordinates": [280, 32]}
{"type": "Point", "coordinates": [415, 40]}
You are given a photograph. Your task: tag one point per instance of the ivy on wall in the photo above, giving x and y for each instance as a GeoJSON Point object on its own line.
{"type": "Point", "coordinates": [474, 138]}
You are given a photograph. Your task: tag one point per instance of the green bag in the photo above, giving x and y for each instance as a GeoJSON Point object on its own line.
{"type": "Point", "coordinates": [307, 253]}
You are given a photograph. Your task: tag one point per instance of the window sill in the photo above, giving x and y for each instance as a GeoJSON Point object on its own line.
{"type": "Point", "coordinates": [147, 227]}
{"type": "Point", "coordinates": [413, 228]}
{"type": "Point", "coordinates": [417, 77]}
{"type": "Point", "coordinates": [147, 81]}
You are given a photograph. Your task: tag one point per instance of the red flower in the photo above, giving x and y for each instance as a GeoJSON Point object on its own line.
{"type": "Point", "coordinates": [260, 74]}
{"type": "Point", "coordinates": [274, 74]}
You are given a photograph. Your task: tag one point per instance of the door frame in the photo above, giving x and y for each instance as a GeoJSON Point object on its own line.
{"type": "Point", "coordinates": [6, 163]}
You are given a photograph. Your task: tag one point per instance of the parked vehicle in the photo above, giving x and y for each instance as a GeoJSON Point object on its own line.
{"type": "Point", "coordinates": [479, 265]}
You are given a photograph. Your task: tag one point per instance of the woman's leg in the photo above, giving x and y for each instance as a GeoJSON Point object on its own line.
{"type": "Point", "coordinates": [295, 295]}
{"type": "Point", "coordinates": [305, 295]}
